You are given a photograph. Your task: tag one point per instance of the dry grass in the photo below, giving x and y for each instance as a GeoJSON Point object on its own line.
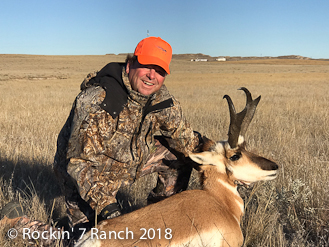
{"type": "Point", "coordinates": [290, 126]}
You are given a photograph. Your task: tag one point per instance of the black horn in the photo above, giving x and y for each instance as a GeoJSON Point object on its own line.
{"type": "Point", "coordinates": [239, 122]}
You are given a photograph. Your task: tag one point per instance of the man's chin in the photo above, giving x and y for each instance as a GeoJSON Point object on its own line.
{"type": "Point", "coordinates": [148, 91]}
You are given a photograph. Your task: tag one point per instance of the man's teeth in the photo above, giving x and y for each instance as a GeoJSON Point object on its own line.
{"type": "Point", "coordinates": [147, 83]}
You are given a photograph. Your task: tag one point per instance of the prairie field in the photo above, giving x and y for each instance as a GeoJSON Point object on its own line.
{"type": "Point", "coordinates": [290, 127]}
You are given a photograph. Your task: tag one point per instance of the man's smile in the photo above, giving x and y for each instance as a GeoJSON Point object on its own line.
{"type": "Point", "coordinates": [148, 83]}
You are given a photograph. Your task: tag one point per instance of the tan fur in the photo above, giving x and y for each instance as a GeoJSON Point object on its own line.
{"type": "Point", "coordinates": [7, 222]}
{"type": "Point", "coordinates": [207, 217]}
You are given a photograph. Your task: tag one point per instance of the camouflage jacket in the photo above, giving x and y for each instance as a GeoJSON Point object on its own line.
{"type": "Point", "coordinates": [98, 150]}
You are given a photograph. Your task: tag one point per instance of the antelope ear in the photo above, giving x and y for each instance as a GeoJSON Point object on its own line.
{"type": "Point", "coordinates": [207, 144]}
{"type": "Point", "coordinates": [204, 158]}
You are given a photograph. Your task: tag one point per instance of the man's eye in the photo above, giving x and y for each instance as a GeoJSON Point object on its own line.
{"type": "Point", "coordinates": [161, 72]}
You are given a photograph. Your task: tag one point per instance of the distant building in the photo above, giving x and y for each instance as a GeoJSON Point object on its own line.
{"type": "Point", "coordinates": [199, 60]}
{"type": "Point", "coordinates": [221, 59]}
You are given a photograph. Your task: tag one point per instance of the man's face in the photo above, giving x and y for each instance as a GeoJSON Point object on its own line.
{"type": "Point", "coordinates": [145, 79]}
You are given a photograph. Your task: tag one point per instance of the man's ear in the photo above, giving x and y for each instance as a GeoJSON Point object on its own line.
{"type": "Point", "coordinates": [127, 67]}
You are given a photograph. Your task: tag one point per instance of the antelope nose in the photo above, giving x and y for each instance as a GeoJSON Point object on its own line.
{"type": "Point", "coordinates": [269, 165]}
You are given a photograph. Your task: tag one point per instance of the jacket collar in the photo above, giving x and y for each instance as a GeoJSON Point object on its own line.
{"type": "Point", "coordinates": [114, 79]}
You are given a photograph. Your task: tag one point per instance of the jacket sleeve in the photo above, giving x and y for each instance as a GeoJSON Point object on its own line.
{"type": "Point", "coordinates": [87, 166]}
{"type": "Point", "coordinates": [176, 127]}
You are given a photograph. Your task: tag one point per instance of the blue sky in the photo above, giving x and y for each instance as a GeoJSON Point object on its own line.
{"type": "Point", "coordinates": [213, 27]}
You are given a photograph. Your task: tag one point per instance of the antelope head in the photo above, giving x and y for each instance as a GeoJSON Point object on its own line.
{"type": "Point", "coordinates": [231, 156]}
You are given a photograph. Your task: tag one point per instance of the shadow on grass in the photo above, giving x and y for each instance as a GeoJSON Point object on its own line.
{"type": "Point", "coordinates": [28, 177]}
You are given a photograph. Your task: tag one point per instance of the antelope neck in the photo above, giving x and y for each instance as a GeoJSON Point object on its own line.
{"type": "Point", "coordinates": [224, 191]}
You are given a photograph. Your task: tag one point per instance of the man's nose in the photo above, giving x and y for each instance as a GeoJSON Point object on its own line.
{"type": "Point", "coordinates": [152, 74]}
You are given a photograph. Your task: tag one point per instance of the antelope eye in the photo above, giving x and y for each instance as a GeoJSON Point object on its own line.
{"type": "Point", "coordinates": [235, 157]}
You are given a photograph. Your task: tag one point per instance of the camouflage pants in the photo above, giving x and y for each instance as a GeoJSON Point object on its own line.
{"type": "Point", "coordinates": [173, 177]}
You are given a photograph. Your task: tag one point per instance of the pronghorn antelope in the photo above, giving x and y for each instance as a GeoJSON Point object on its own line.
{"type": "Point", "coordinates": [207, 217]}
